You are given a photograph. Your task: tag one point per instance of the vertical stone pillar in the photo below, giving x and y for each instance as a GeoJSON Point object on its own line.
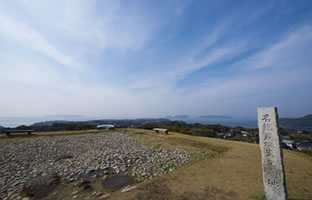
{"type": "Point", "coordinates": [272, 155]}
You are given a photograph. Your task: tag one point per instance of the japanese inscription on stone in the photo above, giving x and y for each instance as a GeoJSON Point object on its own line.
{"type": "Point", "coordinates": [272, 155]}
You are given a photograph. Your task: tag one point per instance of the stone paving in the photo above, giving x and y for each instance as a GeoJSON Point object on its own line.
{"type": "Point", "coordinates": [74, 157]}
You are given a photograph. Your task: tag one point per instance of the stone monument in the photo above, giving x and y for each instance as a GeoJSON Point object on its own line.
{"type": "Point", "coordinates": [272, 155]}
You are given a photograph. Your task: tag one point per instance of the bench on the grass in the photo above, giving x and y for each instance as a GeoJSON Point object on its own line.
{"type": "Point", "coordinates": [8, 132]}
{"type": "Point", "coordinates": [161, 130]}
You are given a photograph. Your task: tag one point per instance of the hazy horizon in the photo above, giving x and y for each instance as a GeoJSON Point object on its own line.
{"type": "Point", "coordinates": [12, 122]}
{"type": "Point", "coordinates": [18, 121]}
{"type": "Point", "coordinates": [131, 117]}
{"type": "Point", "coordinates": [138, 59]}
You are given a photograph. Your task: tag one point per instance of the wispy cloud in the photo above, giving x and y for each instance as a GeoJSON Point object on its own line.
{"type": "Point", "coordinates": [291, 51]}
{"type": "Point", "coordinates": [114, 28]}
{"type": "Point", "coordinates": [200, 56]}
{"type": "Point", "coordinates": [21, 33]}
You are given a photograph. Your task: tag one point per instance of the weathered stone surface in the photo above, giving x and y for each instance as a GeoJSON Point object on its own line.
{"type": "Point", "coordinates": [92, 156]}
{"type": "Point", "coordinates": [117, 181]}
{"type": "Point", "coordinates": [42, 185]}
{"type": "Point", "coordinates": [88, 188]}
{"type": "Point", "coordinates": [272, 155]}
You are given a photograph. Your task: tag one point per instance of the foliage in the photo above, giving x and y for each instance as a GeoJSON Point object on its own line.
{"type": "Point", "coordinates": [304, 123]}
{"type": "Point", "coordinates": [306, 151]}
{"type": "Point", "coordinates": [64, 127]}
{"type": "Point", "coordinates": [196, 129]}
{"type": "Point", "coordinates": [83, 125]}
{"type": "Point", "coordinates": [301, 137]}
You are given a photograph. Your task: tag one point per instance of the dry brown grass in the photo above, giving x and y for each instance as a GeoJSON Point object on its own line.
{"type": "Point", "coordinates": [238, 170]}
{"type": "Point", "coordinates": [160, 190]}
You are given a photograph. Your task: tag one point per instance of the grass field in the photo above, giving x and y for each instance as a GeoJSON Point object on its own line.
{"type": "Point", "coordinates": [235, 173]}
{"type": "Point", "coordinates": [222, 170]}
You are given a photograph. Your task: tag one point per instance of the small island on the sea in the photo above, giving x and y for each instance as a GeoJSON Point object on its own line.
{"type": "Point", "coordinates": [215, 117]}
{"type": "Point", "coordinates": [177, 117]}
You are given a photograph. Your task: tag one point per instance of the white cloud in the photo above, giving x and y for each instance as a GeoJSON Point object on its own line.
{"type": "Point", "coordinates": [16, 31]}
{"type": "Point", "coordinates": [106, 25]}
{"type": "Point", "coordinates": [27, 73]}
{"type": "Point", "coordinates": [292, 51]}
{"type": "Point", "coordinates": [163, 79]}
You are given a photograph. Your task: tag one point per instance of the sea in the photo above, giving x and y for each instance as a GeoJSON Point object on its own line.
{"type": "Point", "coordinates": [12, 122]}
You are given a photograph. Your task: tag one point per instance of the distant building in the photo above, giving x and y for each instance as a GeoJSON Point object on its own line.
{"type": "Point", "coordinates": [288, 144]}
{"type": "Point", "coordinates": [286, 137]}
{"type": "Point", "coordinates": [229, 135]}
{"type": "Point", "coordinates": [303, 146]}
{"type": "Point", "coordinates": [107, 126]}
{"type": "Point", "coordinates": [299, 132]}
{"type": "Point", "coordinates": [236, 130]}
{"type": "Point", "coordinates": [221, 135]}
{"type": "Point", "coordinates": [245, 133]}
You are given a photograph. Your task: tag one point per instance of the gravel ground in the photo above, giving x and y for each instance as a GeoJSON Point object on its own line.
{"type": "Point", "coordinates": [74, 157]}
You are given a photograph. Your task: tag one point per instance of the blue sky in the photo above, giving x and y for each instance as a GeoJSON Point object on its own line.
{"type": "Point", "coordinates": [150, 58]}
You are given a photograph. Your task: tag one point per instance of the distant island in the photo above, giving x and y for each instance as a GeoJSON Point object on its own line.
{"type": "Point", "coordinates": [215, 117]}
{"type": "Point", "coordinates": [178, 117]}
{"type": "Point", "coordinates": [302, 123]}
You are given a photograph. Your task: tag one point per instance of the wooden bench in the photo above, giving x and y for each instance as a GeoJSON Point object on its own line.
{"type": "Point", "coordinates": [161, 130]}
{"type": "Point", "coordinates": [8, 132]}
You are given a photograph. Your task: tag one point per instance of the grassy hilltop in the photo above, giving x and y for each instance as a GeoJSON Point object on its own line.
{"type": "Point", "coordinates": [222, 169]}
{"type": "Point", "coordinates": [234, 173]}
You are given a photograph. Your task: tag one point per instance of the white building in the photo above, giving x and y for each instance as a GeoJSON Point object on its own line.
{"type": "Point", "coordinates": [107, 126]}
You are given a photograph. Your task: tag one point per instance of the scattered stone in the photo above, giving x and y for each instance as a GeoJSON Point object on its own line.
{"type": "Point", "coordinates": [83, 157]}
{"type": "Point", "coordinates": [128, 189]}
{"type": "Point", "coordinates": [104, 196]}
{"type": "Point", "coordinates": [13, 196]}
{"type": "Point", "coordinates": [92, 173]}
{"type": "Point", "coordinates": [75, 192]}
{"type": "Point", "coordinates": [84, 182]}
{"type": "Point", "coordinates": [62, 157]}
{"type": "Point", "coordinates": [99, 193]}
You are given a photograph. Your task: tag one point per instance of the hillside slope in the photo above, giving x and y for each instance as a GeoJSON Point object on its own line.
{"type": "Point", "coordinates": [234, 174]}
{"type": "Point", "coordinates": [304, 123]}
